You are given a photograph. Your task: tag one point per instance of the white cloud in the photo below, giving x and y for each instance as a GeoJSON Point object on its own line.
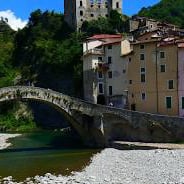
{"type": "Point", "coordinates": [14, 22]}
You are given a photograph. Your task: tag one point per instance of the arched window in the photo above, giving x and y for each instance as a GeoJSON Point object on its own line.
{"type": "Point", "coordinates": [81, 3]}
{"type": "Point", "coordinates": [117, 4]}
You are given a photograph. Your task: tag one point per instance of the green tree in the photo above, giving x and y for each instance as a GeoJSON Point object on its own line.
{"type": "Point", "coordinates": [171, 11]}
{"type": "Point", "coordinates": [99, 26]}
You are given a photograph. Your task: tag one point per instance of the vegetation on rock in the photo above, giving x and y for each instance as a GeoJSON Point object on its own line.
{"type": "Point", "coordinates": [115, 23]}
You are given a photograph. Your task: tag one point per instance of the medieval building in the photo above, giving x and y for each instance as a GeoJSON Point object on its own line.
{"type": "Point", "coordinates": [78, 11]}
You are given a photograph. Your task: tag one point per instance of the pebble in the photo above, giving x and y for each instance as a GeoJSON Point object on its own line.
{"type": "Point", "coordinates": [4, 138]}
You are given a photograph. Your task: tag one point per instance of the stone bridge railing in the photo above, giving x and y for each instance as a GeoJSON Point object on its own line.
{"type": "Point", "coordinates": [60, 100]}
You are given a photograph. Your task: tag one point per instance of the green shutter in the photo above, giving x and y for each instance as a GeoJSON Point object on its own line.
{"type": "Point", "coordinates": [168, 102]}
{"type": "Point", "coordinates": [182, 101]}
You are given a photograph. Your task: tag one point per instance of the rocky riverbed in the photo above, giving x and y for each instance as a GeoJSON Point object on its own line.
{"type": "Point", "coordinates": [4, 140]}
{"type": "Point", "coordinates": [113, 166]}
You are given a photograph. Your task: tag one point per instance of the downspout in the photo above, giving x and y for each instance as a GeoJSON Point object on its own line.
{"type": "Point", "coordinates": [177, 81]}
{"type": "Point", "coordinates": [157, 100]}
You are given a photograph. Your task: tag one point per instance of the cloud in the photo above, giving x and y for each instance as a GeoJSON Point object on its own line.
{"type": "Point", "coordinates": [14, 22]}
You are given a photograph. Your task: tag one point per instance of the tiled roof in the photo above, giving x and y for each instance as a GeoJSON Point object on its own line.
{"type": "Point", "coordinates": [104, 36]}
{"type": "Point", "coordinates": [181, 45]}
{"type": "Point", "coordinates": [112, 41]}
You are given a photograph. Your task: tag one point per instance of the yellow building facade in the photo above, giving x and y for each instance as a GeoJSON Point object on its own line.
{"type": "Point", "coordinates": [152, 74]}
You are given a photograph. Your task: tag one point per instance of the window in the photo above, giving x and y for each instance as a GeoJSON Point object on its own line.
{"type": "Point", "coordinates": [130, 81]}
{"type": "Point", "coordinates": [99, 59]}
{"type": "Point", "coordinates": [81, 20]}
{"type": "Point", "coordinates": [100, 88]}
{"type": "Point", "coordinates": [143, 77]}
{"type": "Point", "coordinates": [107, 15]}
{"type": "Point", "coordinates": [91, 5]}
{"type": "Point", "coordinates": [80, 3]}
{"type": "Point", "coordinates": [168, 102]}
{"type": "Point", "coordinates": [92, 15]}
{"type": "Point", "coordinates": [109, 60]}
{"type": "Point", "coordinates": [81, 13]}
{"type": "Point", "coordinates": [142, 57]}
{"type": "Point", "coordinates": [110, 90]}
{"type": "Point", "coordinates": [143, 96]}
{"type": "Point", "coordinates": [170, 84]}
{"type": "Point", "coordinates": [182, 102]}
{"type": "Point", "coordinates": [141, 47]}
{"type": "Point", "coordinates": [129, 59]}
{"type": "Point", "coordinates": [100, 75]}
{"type": "Point", "coordinates": [117, 4]}
{"type": "Point", "coordinates": [110, 74]}
{"type": "Point", "coordinates": [124, 70]}
{"type": "Point", "coordinates": [143, 70]}
{"type": "Point", "coordinates": [162, 68]}
{"type": "Point", "coordinates": [109, 46]}
{"type": "Point", "coordinates": [162, 55]}
{"type": "Point", "coordinates": [132, 95]}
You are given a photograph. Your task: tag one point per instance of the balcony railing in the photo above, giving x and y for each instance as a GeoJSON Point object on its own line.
{"type": "Point", "coordinates": [94, 51]}
{"type": "Point", "coordinates": [103, 67]}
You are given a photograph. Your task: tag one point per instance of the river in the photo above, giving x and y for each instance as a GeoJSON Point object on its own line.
{"type": "Point", "coordinates": [38, 153]}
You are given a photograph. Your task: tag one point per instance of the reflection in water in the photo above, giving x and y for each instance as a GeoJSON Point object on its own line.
{"type": "Point", "coordinates": [39, 153]}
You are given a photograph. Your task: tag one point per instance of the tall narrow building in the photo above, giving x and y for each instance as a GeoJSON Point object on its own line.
{"type": "Point", "coordinates": [78, 11]}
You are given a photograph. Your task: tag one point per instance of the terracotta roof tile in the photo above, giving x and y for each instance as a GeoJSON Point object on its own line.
{"type": "Point", "coordinates": [104, 36]}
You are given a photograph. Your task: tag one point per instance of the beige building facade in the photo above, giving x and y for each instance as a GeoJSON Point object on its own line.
{"type": "Point", "coordinates": [152, 74]}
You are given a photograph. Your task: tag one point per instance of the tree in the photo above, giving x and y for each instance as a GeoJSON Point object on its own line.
{"type": "Point", "coordinates": [99, 26]}
{"type": "Point", "coordinates": [171, 11]}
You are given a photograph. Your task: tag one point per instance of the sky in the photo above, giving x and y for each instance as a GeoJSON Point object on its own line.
{"type": "Point", "coordinates": [18, 11]}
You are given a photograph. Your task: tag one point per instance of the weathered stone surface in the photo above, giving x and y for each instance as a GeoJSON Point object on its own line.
{"type": "Point", "coordinates": [99, 125]}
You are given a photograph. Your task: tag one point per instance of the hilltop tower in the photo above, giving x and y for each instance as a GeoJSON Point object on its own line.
{"type": "Point", "coordinates": [78, 11]}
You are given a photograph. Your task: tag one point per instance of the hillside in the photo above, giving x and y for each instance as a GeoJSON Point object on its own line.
{"type": "Point", "coordinates": [171, 11]}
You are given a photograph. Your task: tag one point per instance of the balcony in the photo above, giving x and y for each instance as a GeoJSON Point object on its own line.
{"type": "Point", "coordinates": [102, 67]}
{"type": "Point", "coordinates": [94, 51]}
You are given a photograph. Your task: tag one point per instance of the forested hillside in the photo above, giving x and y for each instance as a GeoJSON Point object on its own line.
{"type": "Point", "coordinates": [171, 11]}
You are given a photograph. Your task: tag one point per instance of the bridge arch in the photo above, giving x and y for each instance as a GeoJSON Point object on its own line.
{"type": "Point", "coordinates": [76, 111]}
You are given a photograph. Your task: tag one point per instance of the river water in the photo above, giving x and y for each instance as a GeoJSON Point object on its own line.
{"type": "Point", "coordinates": [39, 153]}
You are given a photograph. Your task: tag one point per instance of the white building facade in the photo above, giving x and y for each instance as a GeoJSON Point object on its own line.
{"type": "Point", "coordinates": [105, 71]}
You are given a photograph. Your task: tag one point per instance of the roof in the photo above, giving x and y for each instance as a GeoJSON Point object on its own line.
{"type": "Point", "coordinates": [104, 36]}
{"type": "Point", "coordinates": [148, 36]}
{"type": "Point", "coordinates": [181, 45]}
{"type": "Point", "coordinates": [145, 18]}
{"type": "Point", "coordinates": [112, 41]}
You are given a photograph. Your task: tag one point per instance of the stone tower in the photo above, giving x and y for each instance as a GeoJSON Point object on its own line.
{"type": "Point", "coordinates": [77, 11]}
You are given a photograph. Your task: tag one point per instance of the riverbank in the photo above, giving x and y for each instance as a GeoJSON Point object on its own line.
{"type": "Point", "coordinates": [125, 167]}
{"type": "Point", "coordinates": [4, 140]}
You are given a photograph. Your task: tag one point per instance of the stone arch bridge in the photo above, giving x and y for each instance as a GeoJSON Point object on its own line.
{"type": "Point", "coordinates": [100, 125]}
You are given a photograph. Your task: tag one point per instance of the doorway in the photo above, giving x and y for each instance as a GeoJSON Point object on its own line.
{"type": "Point", "coordinates": [101, 99]}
